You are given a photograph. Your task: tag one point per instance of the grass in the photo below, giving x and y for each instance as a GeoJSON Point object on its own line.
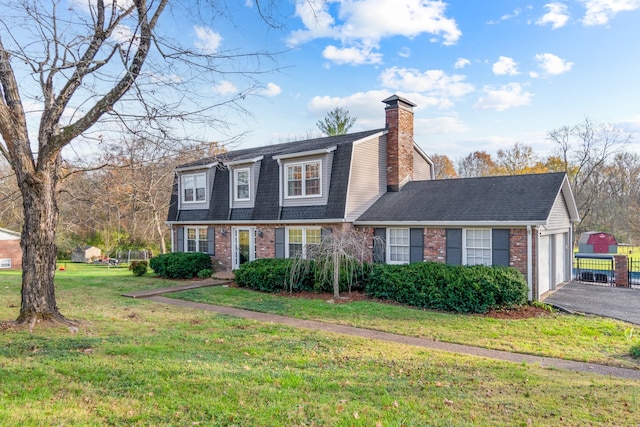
{"type": "Point", "coordinates": [135, 362]}
{"type": "Point", "coordinates": [585, 339]}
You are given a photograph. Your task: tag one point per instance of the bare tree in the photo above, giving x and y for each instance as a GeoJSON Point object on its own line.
{"type": "Point", "coordinates": [517, 160]}
{"type": "Point", "coordinates": [585, 150]}
{"type": "Point", "coordinates": [89, 70]}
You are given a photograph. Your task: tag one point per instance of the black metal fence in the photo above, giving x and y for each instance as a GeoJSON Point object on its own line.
{"type": "Point", "coordinates": [600, 270]}
{"type": "Point", "coordinates": [596, 269]}
{"type": "Point", "coordinates": [634, 273]}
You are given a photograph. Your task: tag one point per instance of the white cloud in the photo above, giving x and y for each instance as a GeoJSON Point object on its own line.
{"type": "Point", "coordinates": [505, 66]}
{"type": "Point", "coordinates": [366, 22]}
{"type": "Point", "coordinates": [271, 90]}
{"type": "Point", "coordinates": [506, 16]}
{"type": "Point", "coordinates": [225, 87]}
{"type": "Point", "coordinates": [207, 40]}
{"type": "Point", "coordinates": [461, 63]}
{"type": "Point", "coordinates": [405, 52]}
{"type": "Point", "coordinates": [441, 125]}
{"type": "Point", "coordinates": [432, 82]}
{"type": "Point", "coordinates": [552, 64]}
{"type": "Point", "coordinates": [599, 12]}
{"type": "Point", "coordinates": [351, 55]}
{"type": "Point", "coordinates": [503, 98]}
{"type": "Point", "coordinates": [557, 15]}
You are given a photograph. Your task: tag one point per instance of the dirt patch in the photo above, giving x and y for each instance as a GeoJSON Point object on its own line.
{"type": "Point", "coordinates": [523, 312]}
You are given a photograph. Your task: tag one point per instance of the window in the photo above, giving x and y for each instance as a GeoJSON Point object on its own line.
{"type": "Point", "coordinates": [398, 245]}
{"type": "Point", "coordinates": [301, 240]}
{"type": "Point", "coordinates": [194, 187]}
{"type": "Point", "coordinates": [5, 262]}
{"type": "Point", "coordinates": [196, 240]}
{"type": "Point", "coordinates": [477, 246]}
{"type": "Point", "coordinates": [242, 184]}
{"type": "Point", "coordinates": [303, 179]}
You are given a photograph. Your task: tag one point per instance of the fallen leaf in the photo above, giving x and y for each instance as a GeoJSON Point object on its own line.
{"type": "Point", "coordinates": [448, 402]}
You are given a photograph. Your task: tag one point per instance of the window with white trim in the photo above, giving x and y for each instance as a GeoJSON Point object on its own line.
{"type": "Point", "coordinates": [5, 262]}
{"type": "Point", "coordinates": [304, 179]}
{"type": "Point", "coordinates": [194, 187]}
{"type": "Point", "coordinates": [299, 241]}
{"type": "Point", "coordinates": [196, 239]}
{"type": "Point", "coordinates": [477, 246]}
{"type": "Point", "coordinates": [242, 184]}
{"type": "Point", "coordinates": [398, 245]}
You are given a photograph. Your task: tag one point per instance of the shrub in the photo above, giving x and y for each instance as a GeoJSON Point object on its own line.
{"type": "Point", "coordinates": [139, 268]}
{"type": "Point", "coordinates": [463, 289]}
{"type": "Point", "coordinates": [273, 275]}
{"type": "Point", "coordinates": [180, 265]}
{"type": "Point", "coordinates": [635, 351]}
{"type": "Point", "coordinates": [205, 273]}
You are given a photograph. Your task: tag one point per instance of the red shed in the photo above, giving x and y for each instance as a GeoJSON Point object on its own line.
{"type": "Point", "coordinates": [595, 242]}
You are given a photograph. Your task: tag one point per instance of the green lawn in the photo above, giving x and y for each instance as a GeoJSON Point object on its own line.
{"type": "Point", "coordinates": [136, 362]}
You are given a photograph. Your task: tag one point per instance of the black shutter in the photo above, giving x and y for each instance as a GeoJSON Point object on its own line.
{"type": "Point", "coordinates": [379, 245]}
{"type": "Point", "coordinates": [500, 247]}
{"type": "Point", "coordinates": [416, 243]}
{"type": "Point", "coordinates": [454, 246]}
{"type": "Point", "coordinates": [279, 242]}
{"type": "Point", "coordinates": [211, 241]}
{"type": "Point", "coordinates": [180, 241]}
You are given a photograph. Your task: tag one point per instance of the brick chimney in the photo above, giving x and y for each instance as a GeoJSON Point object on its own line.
{"type": "Point", "coordinates": [399, 123]}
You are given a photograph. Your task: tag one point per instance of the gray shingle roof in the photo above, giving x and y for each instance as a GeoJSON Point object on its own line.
{"type": "Point", "coordinates": [267, 207]}
{"type": "Point", "coordinates": [519, 198]}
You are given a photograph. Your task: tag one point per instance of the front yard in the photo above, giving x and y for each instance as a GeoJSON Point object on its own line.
{"type": "Point", "coordinates": [135, 362]}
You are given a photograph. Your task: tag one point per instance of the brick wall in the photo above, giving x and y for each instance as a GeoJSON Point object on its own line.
{"type": "Point", "coordinates": [435, 245]}
{"type": "Point", "coordinates": [399, 146]}
{"type": "Point", "coordinates": [518, 249]}
{"type": "Point", "coordinates": [11, 249]}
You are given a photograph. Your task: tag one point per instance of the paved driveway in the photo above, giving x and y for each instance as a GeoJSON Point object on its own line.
{"type": "Point", "coordinates": [606, 301]}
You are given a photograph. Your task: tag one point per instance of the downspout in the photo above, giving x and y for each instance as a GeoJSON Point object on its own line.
{"type": "Point", "coordinates": [529, 262]}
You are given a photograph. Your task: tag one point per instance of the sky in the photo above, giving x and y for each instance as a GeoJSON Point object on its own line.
{"type": "Point", "coordinates": [484, 74]}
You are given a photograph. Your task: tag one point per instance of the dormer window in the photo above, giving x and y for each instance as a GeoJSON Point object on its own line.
{"type": "Point", "coordinates": [242, 184]}
{"type": "Point", "coordinates": [303, 179]}
{"type": "Point", "coordinates": [194, 187]}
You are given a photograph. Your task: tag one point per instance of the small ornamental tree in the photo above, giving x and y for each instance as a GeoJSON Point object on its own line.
{"type": "Point", "coordinates": [341, 253]}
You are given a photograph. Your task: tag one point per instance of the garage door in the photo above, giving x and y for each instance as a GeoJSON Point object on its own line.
{"type": "Point", "coordinates": [544, 265]}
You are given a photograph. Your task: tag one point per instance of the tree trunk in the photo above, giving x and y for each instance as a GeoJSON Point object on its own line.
{"type": "Point", "coordinates": [38, 246]}
{"type": "Point", "coordinates": [158, 225]}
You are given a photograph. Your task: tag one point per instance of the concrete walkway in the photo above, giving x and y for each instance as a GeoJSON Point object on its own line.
{"type": "Point", "coordinates": [544, 362]}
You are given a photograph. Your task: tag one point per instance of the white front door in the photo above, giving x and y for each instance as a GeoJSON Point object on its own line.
{"type": "Point", "coordinates": [243, 246]}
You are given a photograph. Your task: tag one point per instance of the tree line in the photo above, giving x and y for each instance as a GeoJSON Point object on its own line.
{"type": "Point", "coordinates": [603, 172]}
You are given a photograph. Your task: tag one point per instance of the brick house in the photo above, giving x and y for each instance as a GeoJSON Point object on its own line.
{"type": "Point", "coordinates": [10, 250]}
{"type": "Point", "coordinates": [276, 200]}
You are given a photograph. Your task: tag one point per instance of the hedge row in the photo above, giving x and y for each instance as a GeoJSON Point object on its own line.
{"type": "Point", "coordinates": [275, 275]}
{"type": "Point", "coordinates": [462, 289]}
{"type": "Point", "coordinates": [180, 265]}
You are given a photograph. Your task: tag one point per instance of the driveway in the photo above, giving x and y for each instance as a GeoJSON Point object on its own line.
{"type": "Point", "coordinates": [617, 303]}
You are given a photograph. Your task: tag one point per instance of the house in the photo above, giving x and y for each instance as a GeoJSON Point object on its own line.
{"type": "Point", "coordinates": [85, 254]}
{"type": "Point", "coordinates": [275, 201]}
{"type": "Point", "coordinates": [10, 250]}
